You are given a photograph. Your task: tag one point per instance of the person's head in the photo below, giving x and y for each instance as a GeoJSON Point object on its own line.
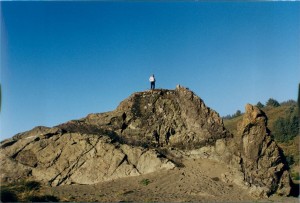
{"type": "Point", "coordinates": [152, 75]}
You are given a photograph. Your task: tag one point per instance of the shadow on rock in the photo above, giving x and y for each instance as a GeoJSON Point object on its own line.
{"type": "Point", "coordinates": [295, 190]}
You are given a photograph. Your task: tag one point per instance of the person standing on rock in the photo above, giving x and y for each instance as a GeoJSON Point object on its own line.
{"type": "Point", "coordinates": [152, 82]}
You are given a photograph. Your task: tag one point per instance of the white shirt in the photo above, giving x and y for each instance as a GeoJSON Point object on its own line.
{"type": "Point", "coordinates": [152, 79]}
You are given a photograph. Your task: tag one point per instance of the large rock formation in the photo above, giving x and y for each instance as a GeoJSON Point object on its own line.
{"type": "Point", "coordinates": [120, 143]}
{"type": "Point", "coordinates": [263, 163]}
{"type": "Point", "coordinates": [57, 157]}
{"type": "Point", "coordinates": [257, 162]}
{"type": "Point", "coordinates": [180, 118]}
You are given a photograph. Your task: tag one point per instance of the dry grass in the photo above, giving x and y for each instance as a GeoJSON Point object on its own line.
{"type": "Point", "coordinates": [231, 124]}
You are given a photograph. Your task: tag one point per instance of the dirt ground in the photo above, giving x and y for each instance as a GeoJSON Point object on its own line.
{"type": "Point", "coordinates": [198, 181]}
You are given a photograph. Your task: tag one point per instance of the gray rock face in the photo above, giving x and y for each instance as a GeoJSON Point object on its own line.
{"type": "Point", "coordinates": [262, 161]}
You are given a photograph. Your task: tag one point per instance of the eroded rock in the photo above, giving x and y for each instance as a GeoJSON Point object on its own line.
{"type": "Point", "coordinates": [78, 158]}
{"type": "Point", "coordinates": [120, 143]}
{"type": "Point", "coordinates": [179, 116]}
{"type": "Point", "coordinates": [263, 163]}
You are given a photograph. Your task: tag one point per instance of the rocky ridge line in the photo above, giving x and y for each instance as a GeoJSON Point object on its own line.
{"type": "Point", "coordinates": [120, 143]}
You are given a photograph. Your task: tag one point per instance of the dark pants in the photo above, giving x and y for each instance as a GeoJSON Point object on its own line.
{"type": "Point", "coordinates": [152, 85]}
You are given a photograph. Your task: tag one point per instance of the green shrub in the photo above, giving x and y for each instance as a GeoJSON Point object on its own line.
{"type": "Point", "coordinates": [290, 160]}
{"type": "Point", "coordinates": [145, 182]}
{"type": "Point", "coordinates": [295, 176]}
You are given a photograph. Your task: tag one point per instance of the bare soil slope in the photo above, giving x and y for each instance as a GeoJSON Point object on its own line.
{"type": "Point", "coordinates": [199, 180]}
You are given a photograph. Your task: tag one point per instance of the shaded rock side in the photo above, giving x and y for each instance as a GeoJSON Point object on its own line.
{"type": "Point", "coordinates": [179, 116]}
{"type": "Point", "coordinates": [74, 158]}
{"type": "Point", "coordinates": [263, 162]}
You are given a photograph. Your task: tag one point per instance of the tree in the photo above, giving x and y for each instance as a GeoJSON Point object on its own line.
{"type": "Point", "coordinates": [238, 113]}
{"type": "Point", "coordinates": [279, 131]}
{"type": "Point", "coordinates": [260, 105]}
{"type": "Point", "coordinates": [227, 117]}
{"type": "Point", "coordinates": [286, 129]}
{"type": "Point", "coordinates": [272, 102]}
{"type": "Point", "coordinates": [289, 102]}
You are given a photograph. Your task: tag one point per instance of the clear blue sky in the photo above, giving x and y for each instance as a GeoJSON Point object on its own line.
{"type": "Point", "coordinates": [64, 60]}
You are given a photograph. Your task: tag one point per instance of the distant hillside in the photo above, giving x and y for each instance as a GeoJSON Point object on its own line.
{"type": "Point", "coordinates": [285, 112]}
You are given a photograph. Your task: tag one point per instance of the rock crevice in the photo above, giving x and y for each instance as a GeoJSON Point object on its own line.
{"type": "Point", "coordinates": [137, 138]}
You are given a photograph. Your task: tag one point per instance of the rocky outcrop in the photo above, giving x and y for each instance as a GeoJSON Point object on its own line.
{"type": "Point", "coordinates": [256, 162]}
{"type": "Point", "coordinates": [74, 158]}
{"type": "Point", "coordinates": [115, 144]}
{"type": "Point", "coordinates": [263, 163]}
{"type": "Point", "coordinates": [120, 143]}
{"type": "Point", "coordinates": [179, 116]}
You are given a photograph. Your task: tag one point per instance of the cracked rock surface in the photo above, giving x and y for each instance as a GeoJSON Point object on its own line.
{"type": "Point", "coordinates": [112, 145]}
{"type": "Point", "coordinates": [74, 158]}
{"type": "Point", "coordinates": [263, 162]}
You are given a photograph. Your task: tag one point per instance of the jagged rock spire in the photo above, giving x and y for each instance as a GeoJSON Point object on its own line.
{"type": "Point", "coordinates": [263, 162]}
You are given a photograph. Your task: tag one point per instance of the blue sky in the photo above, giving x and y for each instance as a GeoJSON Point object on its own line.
{"type": "Point", "coordinates": [63, 60]}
